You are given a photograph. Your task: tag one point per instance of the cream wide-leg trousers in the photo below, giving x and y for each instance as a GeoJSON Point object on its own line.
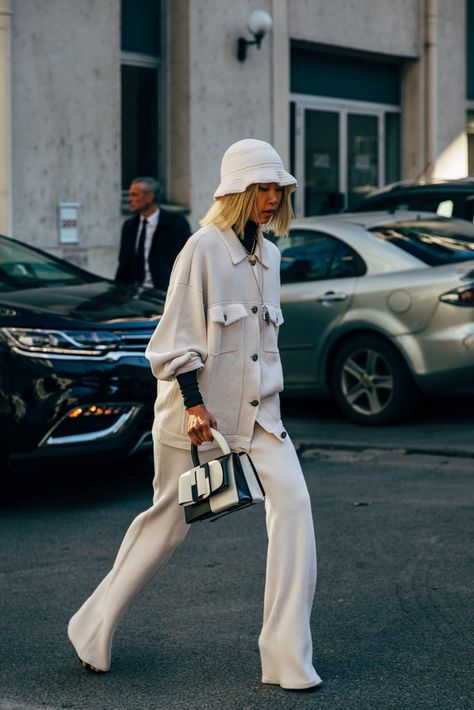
{"type": "Point", "coordinates": [285, 640]}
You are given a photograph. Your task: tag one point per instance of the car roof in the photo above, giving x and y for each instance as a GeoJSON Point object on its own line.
{"type": "Point", "coordinates": [366, 220]}
{"type": "Point", "coordinates": [379, 255]}
{"type": "Point", "coordinates": [464, 185]}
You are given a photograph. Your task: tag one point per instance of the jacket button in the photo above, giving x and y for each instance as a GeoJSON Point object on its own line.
{"type": "Point", "coordinates": [254, 309]}
{"type": "Point", "coordinates": [255, 357]}
{"type": "Point", "coordinates": [283, 434]}
{"type": "Point", "coordinates": [254, 402]}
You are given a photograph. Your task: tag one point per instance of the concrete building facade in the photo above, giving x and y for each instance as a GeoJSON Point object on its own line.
{"type": "Point", "coordinates": [353, 94]}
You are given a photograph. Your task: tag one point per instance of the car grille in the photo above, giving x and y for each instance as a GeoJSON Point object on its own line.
{"type": "Point", "coordinates": [135, 341]}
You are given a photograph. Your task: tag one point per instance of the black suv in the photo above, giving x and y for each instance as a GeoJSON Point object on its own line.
{"type": "Point", "coordinates": [450, 198]}
{"type": "Point", "coordinates": [73, 374]}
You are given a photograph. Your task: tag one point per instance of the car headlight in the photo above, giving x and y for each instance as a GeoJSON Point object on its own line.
{"type": "Point", "coordinates": [35, 340]}
{"type": "Point", "coordinates": [462, 296]}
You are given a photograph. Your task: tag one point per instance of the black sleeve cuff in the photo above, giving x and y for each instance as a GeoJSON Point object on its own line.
{"type": "Point", "coordinates": [189, 387]}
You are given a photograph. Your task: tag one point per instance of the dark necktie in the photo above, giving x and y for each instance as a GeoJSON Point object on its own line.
{"type": "Point", "coordinates": [140, 255]}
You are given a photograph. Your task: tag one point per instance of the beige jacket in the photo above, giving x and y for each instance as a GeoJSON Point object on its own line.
{"type": "Point", "coordinates": [212, 323]}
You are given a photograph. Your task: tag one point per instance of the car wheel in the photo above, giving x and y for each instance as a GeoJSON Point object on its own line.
{"type": "Point", "coordinates": [371, 383]}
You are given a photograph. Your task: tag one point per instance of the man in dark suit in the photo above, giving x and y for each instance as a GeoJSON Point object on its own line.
{"type": "Point", "coordinates": [151, 239]}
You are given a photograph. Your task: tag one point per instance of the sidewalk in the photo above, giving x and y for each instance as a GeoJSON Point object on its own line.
{"type": "Point", "coordinates": [440, 427]}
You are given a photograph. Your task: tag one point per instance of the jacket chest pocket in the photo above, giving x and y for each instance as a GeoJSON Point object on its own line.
{"type": "Point", "coordinates": [270, 331]}
{"type": "Point", "coordinates": [225, 328]}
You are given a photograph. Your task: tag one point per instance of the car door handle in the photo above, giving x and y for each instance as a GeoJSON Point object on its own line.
{"type": "Point", "coordinates": [331, 296]}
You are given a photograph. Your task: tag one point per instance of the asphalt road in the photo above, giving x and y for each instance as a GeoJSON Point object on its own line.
{"type": "Point", "coordinates": [393, 615]}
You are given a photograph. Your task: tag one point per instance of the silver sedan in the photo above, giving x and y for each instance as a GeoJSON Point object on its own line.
{"type": "Point", "coordinates": [378, 307]}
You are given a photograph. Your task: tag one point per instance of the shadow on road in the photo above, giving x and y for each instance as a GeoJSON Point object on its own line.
{"type": "Point", "coordinates": [51, 485]}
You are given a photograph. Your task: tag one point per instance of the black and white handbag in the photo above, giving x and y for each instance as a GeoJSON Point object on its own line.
{"type": "Point", "coordinates": [227, 483]}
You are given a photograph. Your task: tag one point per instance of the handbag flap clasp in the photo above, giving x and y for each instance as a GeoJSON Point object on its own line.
{"type": "Point", "coordinates": [202, 481]}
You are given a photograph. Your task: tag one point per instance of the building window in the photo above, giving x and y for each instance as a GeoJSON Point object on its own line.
{"type": "Point", "coordinates": [143, 91]}
{"type": "Point", "coordinates": [341, 76]}
{"type": "Point", "coordinates": [345, 123]}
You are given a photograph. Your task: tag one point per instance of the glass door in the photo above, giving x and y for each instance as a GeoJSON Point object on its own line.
{"type": "Point", "coordinates": [321, 162]}
{"type": "Point", "coordinates": [340, 151]}
{"type": "Point", "coordinates": [362, 156]}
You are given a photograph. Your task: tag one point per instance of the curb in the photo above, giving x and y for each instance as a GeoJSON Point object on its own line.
{"type": "Point", "coordinates": [302, 446]}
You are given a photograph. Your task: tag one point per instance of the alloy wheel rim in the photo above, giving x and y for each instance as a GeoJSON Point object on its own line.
{"type": "Point", "coordinates": [367, 382]}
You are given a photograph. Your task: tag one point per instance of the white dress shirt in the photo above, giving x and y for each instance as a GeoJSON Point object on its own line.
{"type": "Point", "coordinates": [152, 222]}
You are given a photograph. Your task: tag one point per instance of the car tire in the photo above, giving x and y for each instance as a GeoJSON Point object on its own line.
{"type": "Point", "coordinates": [371, 383]}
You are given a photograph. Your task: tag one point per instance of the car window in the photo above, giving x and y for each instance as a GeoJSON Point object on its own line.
{"type": "Point", "coordinates": [469, 208]}
{"type": "Point", "coordinates": [429, 203]}
{"type": "Point", "coordinates": [23, 267]}
{"type": "Point", "coordinates": [445, 208]}
{"type": "Point", "coordinates": [307, 255]}
{"type": "Point", "coordinates": [423, 203]}
{"type": "Point", "coordinates": [434, 242]}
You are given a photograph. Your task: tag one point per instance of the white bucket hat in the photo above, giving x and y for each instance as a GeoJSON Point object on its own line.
{"type": "Point", "coordinates": [248, 162]}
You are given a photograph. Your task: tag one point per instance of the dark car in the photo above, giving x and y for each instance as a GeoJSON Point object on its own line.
{"type": "Point", "coordinates": [449, 198]}
{"type": "Point", "coordinates": [73, 375]}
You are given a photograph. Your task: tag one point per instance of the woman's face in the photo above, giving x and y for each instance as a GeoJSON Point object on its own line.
{"type": "Point", "coordinates": [268, 200]}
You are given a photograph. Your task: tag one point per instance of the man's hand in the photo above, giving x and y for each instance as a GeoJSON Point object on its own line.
{"type": "Point", "coordinates": [199, 424]}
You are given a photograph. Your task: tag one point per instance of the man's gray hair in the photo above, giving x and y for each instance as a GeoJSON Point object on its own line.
{"type": "Point", "coordinates": [150, 185]}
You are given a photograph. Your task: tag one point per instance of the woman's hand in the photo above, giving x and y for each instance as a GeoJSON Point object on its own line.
{"type": "Point", "coordinates": [199, 424]}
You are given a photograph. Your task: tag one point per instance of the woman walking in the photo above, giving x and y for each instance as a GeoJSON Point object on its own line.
{"type": "Point", "coordinates": [216, 358]}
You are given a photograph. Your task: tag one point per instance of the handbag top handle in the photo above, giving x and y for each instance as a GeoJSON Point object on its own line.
{"type": "Point", "coordinates": [218, 438]}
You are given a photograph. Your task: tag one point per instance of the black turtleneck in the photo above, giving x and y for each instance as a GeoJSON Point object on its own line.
{"type": "Point", "coordinates": [249, 237]}
{"type": "Point", "coordinates": [187, 382]}
{"type": "Point", "coordinates": [189, 387]}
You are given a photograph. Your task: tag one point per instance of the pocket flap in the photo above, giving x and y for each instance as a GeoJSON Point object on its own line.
{"type": "Point", "coordinates": [228, 313]}
{"type": "Point", "coordinates": [276, 315]}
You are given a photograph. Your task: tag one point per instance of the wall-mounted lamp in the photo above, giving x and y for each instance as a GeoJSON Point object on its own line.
{"type": "Point", "coordinates": [258, 24]}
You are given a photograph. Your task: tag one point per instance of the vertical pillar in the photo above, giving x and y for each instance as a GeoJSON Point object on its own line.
{"type": "Point", "coordinates": [179, 105]}
{"type": "Point", "coordinates": [281, 79]}
{"type": "Point", "coordinates": [431, 86]}
{"type": "Point", "coordinates": [5, 119]}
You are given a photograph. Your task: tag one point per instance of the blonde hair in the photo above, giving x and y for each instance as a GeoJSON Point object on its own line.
{"type": "Point", "coordinates": [234, 210]}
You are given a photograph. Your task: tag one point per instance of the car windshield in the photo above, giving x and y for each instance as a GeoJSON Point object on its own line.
{"type": "Point", "coordinates": [22, 267]}
{"type": "Point", "coordinates": [435, 242]}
